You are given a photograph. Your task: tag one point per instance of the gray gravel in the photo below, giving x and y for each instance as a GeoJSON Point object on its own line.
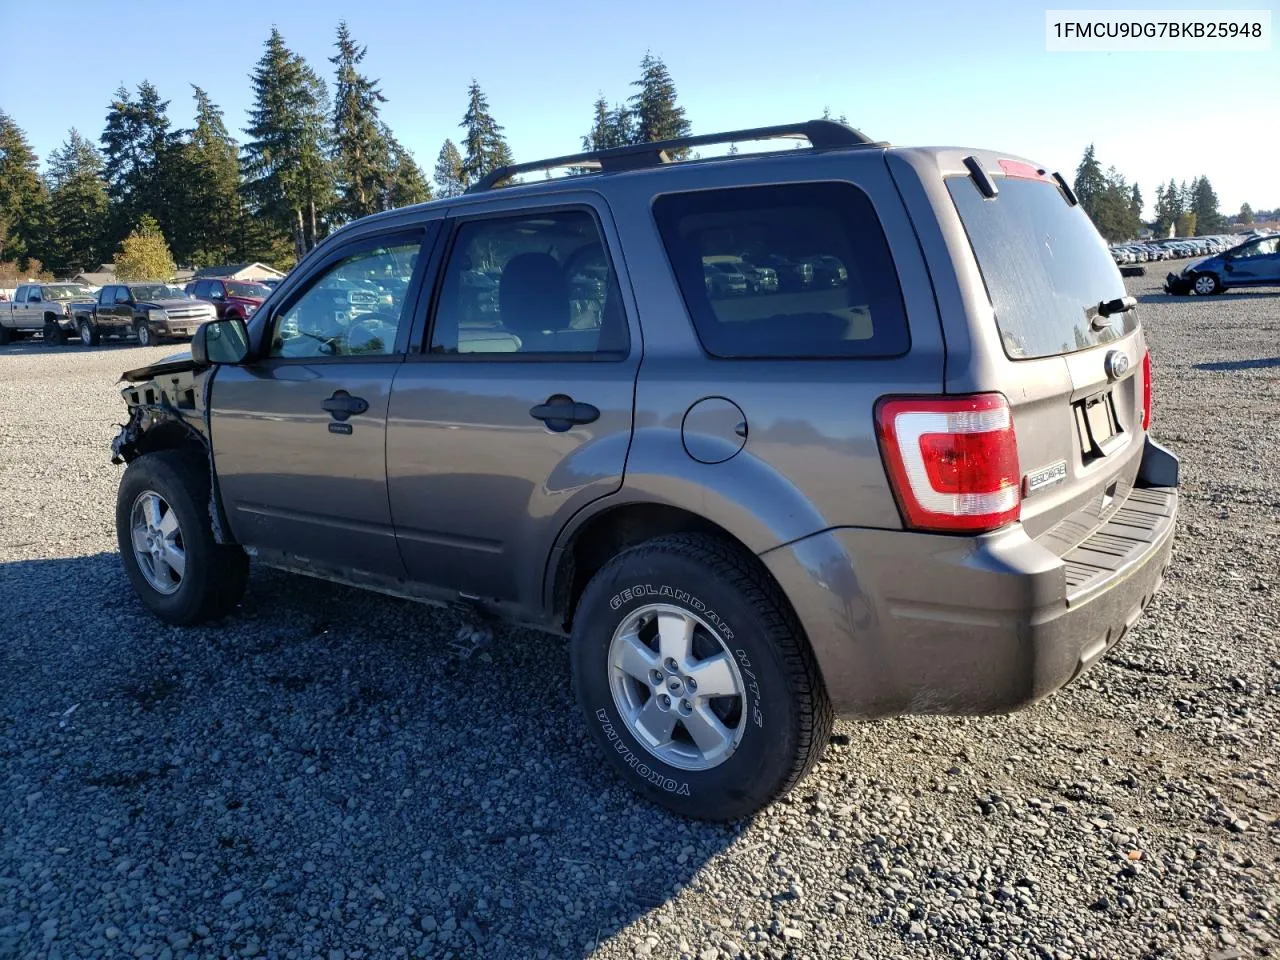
{"type": "Point", "coordinates": [342, 775]}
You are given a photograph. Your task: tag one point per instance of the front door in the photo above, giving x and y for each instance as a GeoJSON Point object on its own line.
{"type": "Point", "coordinates": [519, 413]}
{"type": "Point", "coordinates": [1255, 263]}
{"type": "Point", "coordinates": [299, 432]}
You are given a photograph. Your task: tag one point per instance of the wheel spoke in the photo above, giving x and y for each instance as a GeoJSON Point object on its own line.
{"type": "Point", "coordinates": [634, 658]}
{"type": "Point", "coordinates": [706, 729]}
{"type": "Point", "coordinates": [151, 506]}
{"type": "Point", "coordinates": [169, 524]}
{"type": "Point", "coordinates": [655, 724]}
{"type": "Point", "coordinates": [714, 677]}
{"type": "Point", "coordinates": [176, 558]}
{"type": "Point", "coordinates": [140, 539]}
{"type": "Point", "coordinates": [675, 636]}
{"type": "Point", "coordinates": [161, 568]}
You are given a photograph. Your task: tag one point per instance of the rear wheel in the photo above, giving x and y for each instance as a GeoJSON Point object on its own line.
{"type": "Point", "coordinates": [5, 335]}
{"type": "Point", "coordinates": [144, 334]}
{"type": "Point", "coordinates": [89, 335]}
{"type": "Point", "coordinates": [53, 334]}
{"type": "Point", "coordinates": [695, 678]}
{"type": "Point", "coordinates": [177, 568]}
{"type": "Point", "coordinates": [1207, 285]}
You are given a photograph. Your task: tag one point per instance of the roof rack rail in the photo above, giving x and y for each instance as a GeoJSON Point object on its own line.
{"type": "Point", "coordinates": [821, 134]}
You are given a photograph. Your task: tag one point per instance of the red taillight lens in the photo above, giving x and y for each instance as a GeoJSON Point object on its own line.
{"type": "Point", "coordinates": [952, 461]}
{"type": "Point", "coordinates": [1146, 390]}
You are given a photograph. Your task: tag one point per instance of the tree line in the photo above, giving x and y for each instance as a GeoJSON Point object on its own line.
{"type": "Point", "coordinates": [1188, 208]}
{"type": "Point", "coordinates": [310, 161]}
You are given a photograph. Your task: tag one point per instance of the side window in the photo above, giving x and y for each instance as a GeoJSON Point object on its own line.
{"type": "Point", "coordinates": [106, 295]}
{"type": "Point", "coordinates": [215, 290]}
{"type": "Point", "coordinates": [33, 295]}
{"type": "Point", "coordinates": [122, 294]}
{"type": "Point", "coordinates": [538, 283]}
{"type": "Point", "coordinates": [199, 289]}
{"type": "Point", "coordinates": [352, 309]}
{"type": "Point", "coordinates": [801, 270]}
{"type": "Point", "coordinates": [20, 295]}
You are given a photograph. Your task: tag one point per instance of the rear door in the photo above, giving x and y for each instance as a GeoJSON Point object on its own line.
{"type": "Point", "coordinates": [519, 411]}
{"type": "Point", "coordinates": [1036, 332]}
{"type": "Point", "coordinates": [299, 432]}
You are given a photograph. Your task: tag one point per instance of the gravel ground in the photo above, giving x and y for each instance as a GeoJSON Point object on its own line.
{"type": "Point", "coordinates": [342, 775]}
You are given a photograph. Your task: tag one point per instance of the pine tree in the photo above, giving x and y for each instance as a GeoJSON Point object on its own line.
{"type": "Point", "coordinates": [658, 116]}
{"type": "Point", "coordinates": [1169, 207]}
{"type": "Point", "coordinates": [449, 175]}
{"type": "Point", "coordinates": [1246, 213]}
{"type": "Point", "coordinates": [288, 178]}
{"type": "Point", "coordinates": [601, 129]}
{"type": "Point", "coordinates": [77, 207]}
{"type": "Point", "coordinates": [486, 147]}
{"type": "Point", "coordinates": [1135, 201]}
{"type": "Point", "coordinates": [144, 254]}
{"type": "Point", "coordinates": [141, 159]}
{"type": "Point", "coordinates": [1204, 204]}
{"type": "Point", "coordinates": [208, 220]}
{"type": "Point", "coordinates": [1090, 183]}
{"type": "Point", "coordinates": [23, 196]}
{"type": "Point", "coordinates": [407, 184]}
{"type": "Point", "coordinates": [362, 160]}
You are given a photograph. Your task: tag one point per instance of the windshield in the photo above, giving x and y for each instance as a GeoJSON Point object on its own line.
{"type": "Point", "coordinates": [1045, 267]}
{"type": "Point", "coordinates": [256, 291]}
{"type": "Point", "coordinates": [67, 292]}
{"type": "Point", "coordinates": [151, 291]}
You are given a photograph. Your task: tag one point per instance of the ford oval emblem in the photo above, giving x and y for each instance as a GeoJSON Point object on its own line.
{"type": "Point", "coordinates": [1116, 364]}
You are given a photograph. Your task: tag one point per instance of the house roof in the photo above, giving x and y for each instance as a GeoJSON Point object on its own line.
{"type": "Point", "coordinates": [231, 269]}
{"type": "Point", "coordinates": [96, 278]}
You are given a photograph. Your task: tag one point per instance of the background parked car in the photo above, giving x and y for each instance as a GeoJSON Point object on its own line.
{"type": "Point", "coordinates": [41, 307]}
{"type": "Point", "coordinates": [231, 298]}
{"type": "Point", "coordinates": [1255, 263]}
{"type": "Point", "coordinates": [149, 311]}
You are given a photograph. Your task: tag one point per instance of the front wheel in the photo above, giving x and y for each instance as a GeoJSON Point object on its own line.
{"type": "Point", "coordinates": [177, 568]}
{"type": "Point", "coordinates": [145, 337]}
{"type": "Point", "coordinates": [53, 334]}
{"type": "Point", "coordinates": [89, 335]}
{"type": "Point", "coordinates": [695, 678]}
{"type": "Point", "coordinates": [1207, 285]}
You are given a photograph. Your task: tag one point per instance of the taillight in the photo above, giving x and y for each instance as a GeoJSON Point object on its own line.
{"type": "Point", "coordinates": [1146, 390]}
{"type": "Point", "coordinates": [952, 461]}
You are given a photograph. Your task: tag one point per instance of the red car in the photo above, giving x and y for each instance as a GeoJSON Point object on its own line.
{"type": "Point", "coordinates": [232, 298]}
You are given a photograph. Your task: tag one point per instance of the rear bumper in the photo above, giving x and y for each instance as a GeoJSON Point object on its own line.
{"type": "Point", "coordinates": [917, 623]}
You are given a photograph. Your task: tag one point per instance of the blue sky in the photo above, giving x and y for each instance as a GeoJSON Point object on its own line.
{"type": "Point", "coordinates": [929, 72]}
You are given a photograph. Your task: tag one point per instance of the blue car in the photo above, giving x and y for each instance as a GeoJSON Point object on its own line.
{"type": "Point", "coordinates": [1255, 263]}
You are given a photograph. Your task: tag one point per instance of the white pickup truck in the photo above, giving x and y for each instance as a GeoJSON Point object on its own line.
{"type": "Point", "coordinates": [42, 308]}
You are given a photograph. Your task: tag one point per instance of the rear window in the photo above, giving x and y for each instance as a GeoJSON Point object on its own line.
{"type": "Point", "coordinates": [795, 271]}
{"type": "Point", "coordinates": [1045, 267]}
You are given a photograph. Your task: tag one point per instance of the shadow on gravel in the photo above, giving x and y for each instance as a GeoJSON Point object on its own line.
{"type": "Point", "coordinates": [1262, 363]}
{"type": "Point", "coordinates": [38, 346]}
{"type": "Point", "coordinates": [325, 770]}
{"type": "Point", "coordinates": [1219, 298]}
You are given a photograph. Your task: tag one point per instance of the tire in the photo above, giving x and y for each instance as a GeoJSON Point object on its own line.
{"type": "Point", "coordinates": [54, 335]}
{"type": "Point", "coordinates": [771, 733]}
{"type": "Point", "coordinates": [5, 335]}
{"type": "Point", "coordinates": [1206, 284]}
{"type": "Point", "coordinates": [89, 335]}
{"type": "Point", "coordinates": [143, 332]}
{"type": "Point", "coordinates": [213, 575]}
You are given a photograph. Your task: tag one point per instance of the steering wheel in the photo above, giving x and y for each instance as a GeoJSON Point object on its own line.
{"type": "Point", "coordinates": [371, 326]}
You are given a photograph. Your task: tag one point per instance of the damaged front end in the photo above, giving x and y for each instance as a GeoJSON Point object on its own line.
{"type": "Point", "coordinates": [168, 409]}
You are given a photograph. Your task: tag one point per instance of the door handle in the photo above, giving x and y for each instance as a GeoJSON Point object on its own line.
{"type": "Point", "coordinates": [560, 413]}
{"type": "Point", "coordinates": [343, 405]}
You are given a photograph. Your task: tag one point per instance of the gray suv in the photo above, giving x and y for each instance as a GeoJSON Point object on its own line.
{"type": "Point", "coordinates": [922, 485]}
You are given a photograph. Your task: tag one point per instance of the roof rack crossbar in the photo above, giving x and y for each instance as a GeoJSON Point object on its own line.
{"type": "Point", "coordinates": [821, 134]}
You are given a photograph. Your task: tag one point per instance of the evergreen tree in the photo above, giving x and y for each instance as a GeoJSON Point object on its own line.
{"type": "Point", "coordinates": [1246, 213]}
{"type": "Point", "coordinates": [1168, 207]}
{"type": "Point", "coordinates": [144, 255]}
{"type": "Point", "coordinates": [622, 125]}
{"type": "Point", "coordinates": [77, 207]}
{"type": "Point", "coordinates": [288, 177]}
{"type": "Point", "coordinates": [1135, 201]}
{"type": "Point", "coordinates": [141, 159]}
{"type": "Point", "coordinates": [449, 175]}
{"type": "Point", "coordinates": [601, 129]}
{"type": "Point", "coordinates": [1090, 183]}
{"type": "Point", "coordinates": [23, 196]}
{"type": "Point", "coordinates": [208, 222]}
{"type": "Point", "coordinates": [406, 184]}
{"type": "Point", "coordinates": [1204, 204]}
{"type": "Point", "coordinates": [362, 160]}
{"type": "Point", "coordinates": [486, 147]}
{"type": "Point", "coordinates": [657, 115]}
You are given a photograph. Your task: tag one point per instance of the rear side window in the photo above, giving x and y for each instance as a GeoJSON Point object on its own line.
{"type": "Point", "coordinates": [793, 271]}
{"type": "Point", "coordinates": [1045, 267]}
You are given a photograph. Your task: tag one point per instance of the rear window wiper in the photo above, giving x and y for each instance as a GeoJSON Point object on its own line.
{"type": "Point", "coordinates": [1109, 307]}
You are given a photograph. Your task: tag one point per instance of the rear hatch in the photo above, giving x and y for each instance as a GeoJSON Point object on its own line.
{"type": "Point", "coordinates": [1049, 329]}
